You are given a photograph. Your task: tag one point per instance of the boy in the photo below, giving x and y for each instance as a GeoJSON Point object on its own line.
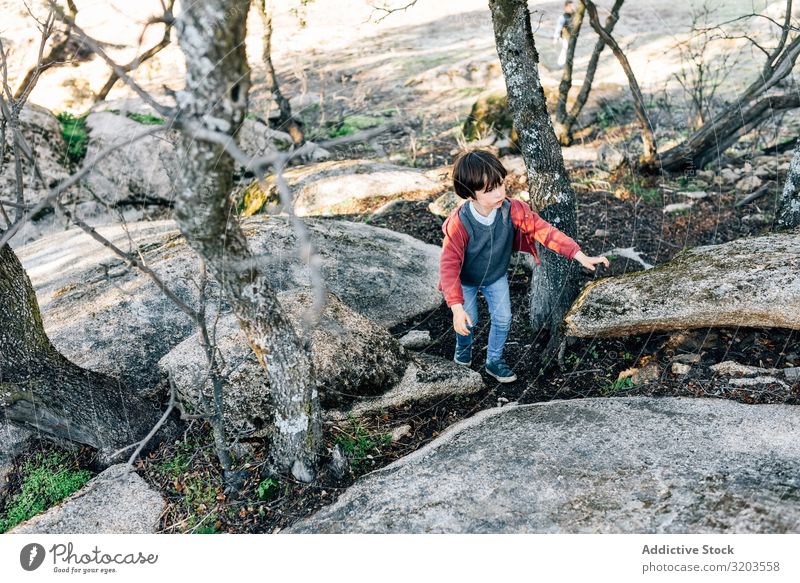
{"type": "Point", "coordinates": [478, 240]}
{"type": "Point", "coordinates": [563, 31]}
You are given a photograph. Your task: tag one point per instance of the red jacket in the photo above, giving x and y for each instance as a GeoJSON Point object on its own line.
{"type": "Point", "coordinates": [528, 226]}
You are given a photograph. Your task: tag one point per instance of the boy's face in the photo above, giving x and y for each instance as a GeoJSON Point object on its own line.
{"type": "Point", "coordinates": [491, 199]}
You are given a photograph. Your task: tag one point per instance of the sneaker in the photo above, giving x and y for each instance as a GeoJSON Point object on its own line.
{"type": "Point", "coordinates": [500, 371]}
{"type": "Point", "coordinates": [463, 355]}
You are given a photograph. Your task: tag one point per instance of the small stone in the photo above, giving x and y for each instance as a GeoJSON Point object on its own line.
{"type": "Point", "coordinates": [445, 204]}
{"type": "Point", "coordinates": [609, 158]}
{"type": "Point", "coordinates": [646, 374]}
{"type": "Point", "coordinates": [416, 339]}
{"type": "Point", "coordinates": [680, 368]}
{"type": "Point", "coordinates": [792, 373]}
{"type": "Point", "coordinates": [694, 194]}
{"type": "Point", "coordinates": [399, 433]}
{"type": "Point", "coordinates": [339, 464]}
{"type": "Point", "coordinates": [727, 176]}
{"type": "Point", "coordinates": [601, 233]}
{"type": "Point", "coordinates": [302, 472]}
{"type": "Point", "coordinates": [677, 207]}
{"type": "Point", "coordinates": [730, 367]}
{"type": "Point", "coordinates": [759, 381]}
{"type": "Point", "coordinates": [687, 358]}
{"type": "Point", "coordinates": [749, 184]}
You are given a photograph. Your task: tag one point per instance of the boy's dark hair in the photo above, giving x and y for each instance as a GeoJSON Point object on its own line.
{"type": "Point", "coordinates": [476, 170]}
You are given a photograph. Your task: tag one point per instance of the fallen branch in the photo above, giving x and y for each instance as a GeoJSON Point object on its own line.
{"type": "Point", "coordinates": [754, 195]}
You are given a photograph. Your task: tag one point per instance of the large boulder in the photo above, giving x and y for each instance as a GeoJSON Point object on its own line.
{"type": "Point", "coordinates": [427, 378]}
{"type": "Point", "coordinates": [42, 132]}
{"type": "Point", "coordinates": [111, 318]}
{"type": "Point", "coordinates": [622, 465]}
{"type": "Point", "coordinates": [747, 282]}
{"type": "Point", "coordinates": [255, 138]}
{"type": "Point", "coordinates": [346, 186]}
{"type": "Point", "coordinates": [117, 501]}
{"type": "Point", "coordinates": [353, 358]}
{"type": "Point", "coordinates": [140, 171]}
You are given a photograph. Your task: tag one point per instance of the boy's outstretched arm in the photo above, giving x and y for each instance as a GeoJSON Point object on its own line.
{"type": "Point", "coordinates": [535, 227]}
{"type": "Point", "coordinates": [590, 262]}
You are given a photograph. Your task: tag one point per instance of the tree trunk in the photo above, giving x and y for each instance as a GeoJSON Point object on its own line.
{"type": "Point", "coordinates": [714, 137]}
{"type": "Point", "coordinates": [285, 122]}
{"type": "Point", "coordinates": [710, 141]}
{"type": "Point", "coordinates": [788, 215]}
{"type": "Point", "coordinates": [564, 125]}
{"type": "Point", "coordinates": [41, 390]}
{"type": "Point", "coordinates": [554, 285]}
{"type": "Point", "coordinates": [566, 76]}
{"type": "Point", "coordinates": [648, 159]}
{"type": "Point", "coordinates": [217, 83]}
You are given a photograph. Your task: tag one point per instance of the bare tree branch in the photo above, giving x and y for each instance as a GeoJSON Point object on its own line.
{"type": "Point", "coordinates": [54, 192]}
{"type": "Point", "coordinates": [387, 10]}
{"type": "Point", "coordinates": [648, 138]}
{"type": "Point", "coordinates": [115, 67]}
{"type": "Point", "coordinates": [167, 18]}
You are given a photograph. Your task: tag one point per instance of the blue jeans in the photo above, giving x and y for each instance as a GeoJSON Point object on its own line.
{"type": "Point", "coordinates": [499, 301]}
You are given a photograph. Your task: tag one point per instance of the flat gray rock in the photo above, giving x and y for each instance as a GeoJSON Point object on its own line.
{"type": "Point", "coordinates": [104, 316]}
{"type": "Point", "coordinates": [747, 282]}
{"type": "Point", "coordinates": [115, 501]}
{"type": "Point", "coordinates": [335, 186]}
{"type": "Point", "coordinates": [621, 465]}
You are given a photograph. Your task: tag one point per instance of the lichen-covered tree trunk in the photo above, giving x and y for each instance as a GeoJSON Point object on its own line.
{"type": "Point", "coordinates": [211, 34]}
{"type": "Point", "coordinates": [788, 215]}
{"type": "Point", "coordinates": [554, 284]}
{"type": "Point", "coordinates": [41, 390]}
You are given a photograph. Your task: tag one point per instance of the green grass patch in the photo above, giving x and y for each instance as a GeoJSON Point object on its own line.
{"type": "Point", "coordinates": [358, 442]}
{"type": "Point", "coordinates": [617, 386]}
{"type": "Point", "coordinates": [194, 490]}
{"type": "Point", "coordinates": [47, 478]}
{"type": "Point", "coordinates": [76, 137]}
{"type": "Point", "coordinates": [611, 113]}
{"type": "Point", "coordinates": [146, 119]}
{"type": "Point", "coordinates": [142, 118]}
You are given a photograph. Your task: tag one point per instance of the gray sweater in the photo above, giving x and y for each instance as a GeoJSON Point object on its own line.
{"type": "Point", "coordinates": [488, 251]}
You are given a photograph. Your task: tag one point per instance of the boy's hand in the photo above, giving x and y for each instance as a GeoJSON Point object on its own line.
{"type": "Point", "coordinates": [590, 262]}
{"type": "Point", "coordinates": [461, 320]}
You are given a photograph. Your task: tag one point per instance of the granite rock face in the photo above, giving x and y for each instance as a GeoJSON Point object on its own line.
{"type": "Point", "coordinates": [353, 358]}
{"type": "Point", "coordinates": [621, 465]}
{"type": "Point", "coordinates": [341, 186]}
{"type": "Point", "coordinates": [105, 316]}
{"type": "Point", "coordinates": [747, 282]}
{"type": "Point", "coordinates": [116, 501]}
